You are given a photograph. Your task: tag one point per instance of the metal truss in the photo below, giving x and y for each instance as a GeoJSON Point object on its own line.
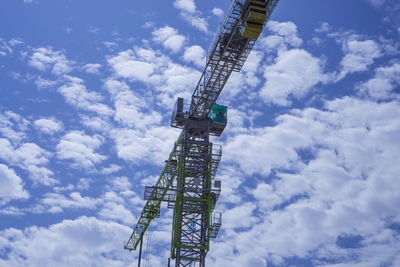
{"type": "Point", "coordinates": [186, 180]}
{"type": "Point", "coordinates": [152, 208]}
{"type": "Point", "coordinates": [228, 53]}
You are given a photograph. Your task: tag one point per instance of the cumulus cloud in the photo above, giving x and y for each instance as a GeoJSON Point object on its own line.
{"type": "Point", "coordinates": [245, 80]}
{"type": "Point", "coordinates": [157, 70]}
{"type": "Point", "coordinates": [190, 13]}
{"type": "Point", "coordinates": [195, 54]}
{"type": "Point", "coordinates": [150, 146]}
{"type": "Point", "coordinates": [6, 47]}
{"type": "Point", "coordinates": [380, 87]}
{"type": "Point", "coordinates": [13, 126]}
{"type": "Point", "coordinates": [75, 93]}
{"type": "Point", "coordinates": [284, 35]}
{"type": "Point", "coordinates": [294, 74]}
{"type": "Point", "coordinates": [11, 185]}
{"type": "Point", "coordinates": [48, 126]}
{"type": "Point", "coordinates": [113, 208]}
{"type": "Point", "coordinates": [96, 123]}
{"type": "Point", "coordinates": [133, 66]}
{"type": "Point", "coordinates": [139, 136]}
{"type": "Point", "coordinates": [92, 68]}
{"type": "Point", "coordinates": [349, 146]}
{"type": "Point", "coordinates": [42, 83]}
{"type": "Point", "coordinates": [31, 158]}
{"type": "Point", "coordinates": [324, 27]}
{"type": "Point", "coordinates": [56, 202]}
{"type": "Point", "coordinates": [169, 38]}
{"type": "Point", "coordinates": [44, 59]}
{"type": "Point", "coordinates": [359, 55]}
{"type": "Point", "coordinates": [186, 5]}
{"type": "Point", "coordinates": [177, 80]}
{"type": "Point", "coordinates": [217, 12]}
{"type": "Point", "coordinates": [131, 110]}
{"type": "Point", "coordinates": [82, 241]}
{"type": "Point", "coordinates": [111, 169]}
{"type": "Point", "coordinates": [79, 148]}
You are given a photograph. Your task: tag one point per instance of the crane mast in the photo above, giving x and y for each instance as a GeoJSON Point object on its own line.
{"type": "Point", "coordinates": [187, 182]}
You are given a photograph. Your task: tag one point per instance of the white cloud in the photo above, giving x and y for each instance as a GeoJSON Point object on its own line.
{"type": "Point", "coordinates": [169, 38]}
{"type": "Point", "coordinates": [11, 211]}
{"type": "Point", "coordinates": [75, 93]}
{"type": "Point", "coordinates": [31, 158]}
{"type": "Point", "coordinates": [128, 109]}
{"type": "Point", "coordinates": [151, 146]}
{"type": "Point", "coordinates": [195, 54]}
{"type": "Point", "coordinates": [186, 5]}
{"type": "Point", "coordinates": [96, 123]}
{"type": "Point", "coordinates": [324, 27]}
{"type": "Point", "coordinates": [16, 120]}
{"type": "Point", "coordinates": [114, 209]}
{"type": "Point", "coordinates": [45, 59]}
{"type": "Point", "coordinates": [148, 25]}
{"type": "Point", "coordinates": [158, 71]}
{"type": "Point", "coordinates": [11, 185]}
{"type": "Point", "coordinates": [348, 146]}
{"type": "Point", "coordinates": [217, 12]}
{"type": "Point", "coordinates": [197, 22]}
{"type": "Point", "coordinates": [84, 183]}
{"type": "Point", "coordinates": [13, 126]}
{"type": "Point", "coordinates": [110, 45]}
{"type": "Point", "coordinates": [284, 35]}
{"type": "Point", "coordinates": [28, 1]}
{"type": "Point", "coordinates": [359, 56]}
{"type": "Point", "coordinates": [141, 138]}
{"type": "Point", "coordinates": [112, 169]}
{"type": "Point", "coordinates": [240, 216]}
{"type": "Point", "coordinates": [48, 126]}
{"type": "Point", "coordinates": [92, 68]}
{"type": "Point", "coordinates": [117, 212]}
{"type": "Point", "coordinates": [294, 74]}
{"type": "Point", "coordinates": [131, 66]}
{"type": "Point", "coordinates": [42, 83]}
{"type": "Point", "coordinates": [245, 80]}
{"type": "Point", "coordinates": [84, 241]}
{"type": "Point", "coordinates": [268, 140]}
{"type": "Point", "coordinates": [55, 202]}
{"type": "Point", "coordinates": [190, 13]}
{"type": "Point", "coordinates": [177, 78]}
{"type": "Point", "coordinates": [381, 85]}
{"type": "Point", "coordinates": [131, 110]}
{"type": "Point", "coordinates": [5, 48]}
{"type": "Point", "coordinates": [79, 148]}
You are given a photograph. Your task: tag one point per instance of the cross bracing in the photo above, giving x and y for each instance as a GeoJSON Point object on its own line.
{"type": "Point", "coordinates": [186, 182]}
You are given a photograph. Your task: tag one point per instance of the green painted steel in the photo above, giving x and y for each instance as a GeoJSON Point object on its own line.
{"type": "Point", "coordinates": [188, 173]}
{"type": "Point", "coordinates": [193, 207]}
{"type": "Point", "coordinates": [152, 208]}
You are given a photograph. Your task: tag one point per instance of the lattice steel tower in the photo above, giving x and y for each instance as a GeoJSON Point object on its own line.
{"type": "Point", "coordinates": [187, 181]}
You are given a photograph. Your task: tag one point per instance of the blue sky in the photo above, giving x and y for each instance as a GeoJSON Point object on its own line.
{"type": "Point", "coordinates": [310, 156]}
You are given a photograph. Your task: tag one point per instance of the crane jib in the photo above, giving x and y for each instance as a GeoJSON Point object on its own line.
{"type": "Point", "coordinates": [228, 52]}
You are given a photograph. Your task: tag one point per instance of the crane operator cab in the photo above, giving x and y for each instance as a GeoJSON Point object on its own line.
{"type": "Point", "coordinates": [218, 116]}
{"type": "Point", "coordinates": [254, 17]}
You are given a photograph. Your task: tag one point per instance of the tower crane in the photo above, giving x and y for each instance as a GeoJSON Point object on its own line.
{"type": "Point", "coordinates": [187, 182]}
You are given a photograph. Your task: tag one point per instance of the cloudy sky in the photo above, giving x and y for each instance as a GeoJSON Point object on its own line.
{"type": "Point", "coordinates": [310, 167]}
